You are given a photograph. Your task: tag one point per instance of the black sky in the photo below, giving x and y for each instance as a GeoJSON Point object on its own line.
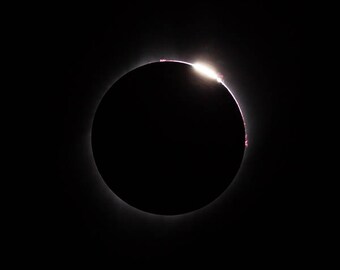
{"type": "Point", "coordinates": [256, 46]}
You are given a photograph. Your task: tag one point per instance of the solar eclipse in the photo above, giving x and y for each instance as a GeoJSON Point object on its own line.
{"type": "Point", "coordinates": [168, 137]}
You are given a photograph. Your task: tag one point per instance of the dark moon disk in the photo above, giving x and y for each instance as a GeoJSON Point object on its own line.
{"type": "Point", "coordinates": [166, 139]}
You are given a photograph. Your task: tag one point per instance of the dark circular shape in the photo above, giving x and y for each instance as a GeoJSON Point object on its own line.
{"type": "Point", "coordinates": [166, 139]}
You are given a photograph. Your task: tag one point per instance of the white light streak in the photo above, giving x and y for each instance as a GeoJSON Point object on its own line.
{"type": "Point", "coordinates": [207, 71]}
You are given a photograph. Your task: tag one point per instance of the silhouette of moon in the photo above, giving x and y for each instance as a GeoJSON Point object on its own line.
{"type": "Point", "coordinates": [167, 140]}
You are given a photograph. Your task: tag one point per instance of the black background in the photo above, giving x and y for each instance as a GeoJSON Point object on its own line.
{"type": "Point", "coordinates": [256, 46]}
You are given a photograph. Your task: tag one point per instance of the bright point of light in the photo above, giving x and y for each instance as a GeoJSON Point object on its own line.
{"type": "Point", "coordinates": [208, 72]}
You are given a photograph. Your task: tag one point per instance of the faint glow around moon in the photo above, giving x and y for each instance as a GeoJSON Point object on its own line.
{"type": "Point", "coordinates": [207, 71]}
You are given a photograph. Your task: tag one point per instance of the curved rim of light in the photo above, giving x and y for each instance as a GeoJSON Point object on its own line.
{"type": "Point", "coordinates": [204, 70]}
